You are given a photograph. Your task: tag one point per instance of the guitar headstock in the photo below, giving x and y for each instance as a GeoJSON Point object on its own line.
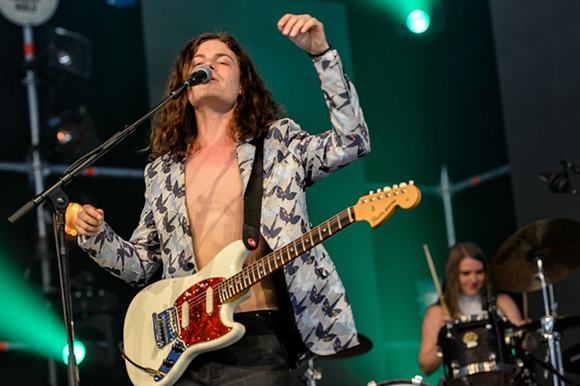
{"type": "Point", "coordinates": [377, 207]}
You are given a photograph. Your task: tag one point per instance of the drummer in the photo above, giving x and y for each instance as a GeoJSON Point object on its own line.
{"type": "Point", "coordinates": [466, 291]}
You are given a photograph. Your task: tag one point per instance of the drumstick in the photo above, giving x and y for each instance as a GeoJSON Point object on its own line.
{"type": "Point", "coordinates": [525, 304]}
{"type": "Point", "coordinates": [435, 279]}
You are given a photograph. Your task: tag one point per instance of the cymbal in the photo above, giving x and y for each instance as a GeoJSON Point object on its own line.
{"type": "Point", "coordinates": [561, 323]}
{"type": "Point", "coordinates": [363, 347]}
{"type": "Point", "coordinates": [555, 241]}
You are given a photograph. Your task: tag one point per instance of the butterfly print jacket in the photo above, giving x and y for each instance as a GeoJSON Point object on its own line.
{"type": "Point", "coordinates": [293, 160]}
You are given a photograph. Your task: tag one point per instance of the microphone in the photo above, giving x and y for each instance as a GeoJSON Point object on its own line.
{"type": "Point", "coordinates": [201, 75]}
{"type": "Point", "coordinates": [570, 166]}
{"type": "Point", "coordinates": [558, 182]}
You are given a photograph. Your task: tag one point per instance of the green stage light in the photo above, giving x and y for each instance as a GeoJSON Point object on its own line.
{"type": "Point", "coordinates": [418, 21]}
{"type": "Point", "coordinates": [28, 317]}
{"type": "Point", "coordinates": [79, 350]}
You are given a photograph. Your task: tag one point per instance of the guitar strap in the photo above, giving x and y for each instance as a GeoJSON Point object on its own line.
{"type": "Point", "coordinates": [253, 198]}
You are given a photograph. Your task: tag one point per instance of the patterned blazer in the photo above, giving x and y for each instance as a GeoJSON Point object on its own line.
{"type": "Point", "coordinates": [293, 160]}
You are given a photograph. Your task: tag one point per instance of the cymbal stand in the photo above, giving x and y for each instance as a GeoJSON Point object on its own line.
{"type": "Point", "coordinates": [548, 321]}
{"type": "Point", "coordinates": [558, 347]}
{"type": "Point", "coordinates": [312, 374]}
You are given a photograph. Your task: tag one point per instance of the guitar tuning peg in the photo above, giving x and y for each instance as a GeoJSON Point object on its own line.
{"type": "Point", "coordinates": [395, 186]}
{"type": "Point", "coordinates": [386, 188]}
{"type": "Point", "coordinates": [379, 190]}
{"type": "Point", "coordinates": [371, 192]}
{"type": "Point", "coordinates": [403, 184]}
{"type": "Point", "coordinates": [411, 182]}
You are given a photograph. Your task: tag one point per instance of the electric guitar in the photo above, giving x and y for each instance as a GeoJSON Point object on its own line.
{"type": "Point", "coordinates": [172, 321]}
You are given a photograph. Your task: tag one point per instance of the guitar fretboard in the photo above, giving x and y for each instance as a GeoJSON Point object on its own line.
{"type": "Point", "coordinates": [270, 263]}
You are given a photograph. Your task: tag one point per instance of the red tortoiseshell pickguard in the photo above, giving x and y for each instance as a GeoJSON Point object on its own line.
{"type": "Point", "coordinates": [203, 327]}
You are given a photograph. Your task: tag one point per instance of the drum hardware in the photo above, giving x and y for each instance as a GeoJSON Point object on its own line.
{"type": "Point", "coordinates": [536, 257]}
{"type": "Point", "coordinates": [546, 365]}
{"type": "Point", "coordinates": [560, 323]}
{"type": "Point", "coordinates": [547, 322]}
{"type": "Point", "coordinates": [417, 381]}
{"type": "Point", "coordinates": [313, 374]}
{"type": "Point", "coordinates": [571, 358]}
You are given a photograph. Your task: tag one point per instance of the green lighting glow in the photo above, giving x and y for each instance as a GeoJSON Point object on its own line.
{"type": "Point", "coordinates": [400, 10]}
{"type": "Point", "coordinates": [27, 320]}
{"type": "Point", "coordinates": [79, 350]}
{"type": "Point", "coordinates": [418, 21]}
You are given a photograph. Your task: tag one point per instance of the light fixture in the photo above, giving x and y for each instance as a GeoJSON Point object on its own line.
{"type": "Point", "coordinates": [71, 134]}
{"type": "Point", "coordinates": [418, 21]}
{"type": "Point", "coordinates": [70, 51]}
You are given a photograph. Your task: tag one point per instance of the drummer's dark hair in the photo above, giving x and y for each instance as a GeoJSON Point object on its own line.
{"type": "Point", "coordinates": [451, 274]}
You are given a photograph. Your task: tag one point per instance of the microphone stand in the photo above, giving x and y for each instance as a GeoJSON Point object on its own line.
{"type": "Point", "coordinates": [60, 201]}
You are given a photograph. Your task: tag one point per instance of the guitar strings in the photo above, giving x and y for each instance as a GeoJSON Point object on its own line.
{"type": "Point", "coordinates": [198, 299]}
{"type": "Point", "coordinates": [201, 298]}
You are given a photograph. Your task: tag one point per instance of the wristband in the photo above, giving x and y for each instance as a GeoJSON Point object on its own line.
{"type": "Point", "coordinates": [320, 54]}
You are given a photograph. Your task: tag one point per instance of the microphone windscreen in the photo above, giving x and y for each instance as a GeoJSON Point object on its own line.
{"type": "Point", "coordinates": [204, 72]}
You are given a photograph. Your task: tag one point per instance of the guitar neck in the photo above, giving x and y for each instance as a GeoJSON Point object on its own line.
{"type": "Point", "coordinates": [272, 262]}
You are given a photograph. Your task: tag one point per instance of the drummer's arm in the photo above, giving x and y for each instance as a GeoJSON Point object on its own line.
{"type": "Point", "coordinates": [429, 362]}
{"type": "Point", "coordinates": [510, 309]}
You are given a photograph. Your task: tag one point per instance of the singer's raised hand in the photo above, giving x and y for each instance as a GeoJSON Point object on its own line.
{"type": "Point", "coordinates": [305, 31]}
{"type": "Point", "coordinates": [89, 220]}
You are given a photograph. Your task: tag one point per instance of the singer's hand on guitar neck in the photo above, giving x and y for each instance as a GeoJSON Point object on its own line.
{"type": "Point", "coordinates": [305, 31]}
{"type": "Point", "coordinates": [88, 220]}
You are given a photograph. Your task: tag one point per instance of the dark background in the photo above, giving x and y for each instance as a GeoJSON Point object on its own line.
{"type": "Point", "coordinates": [490, 84]}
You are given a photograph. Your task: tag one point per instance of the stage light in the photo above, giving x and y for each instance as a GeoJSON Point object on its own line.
{"type": "Point", "coordinates": [418, 21]}
{"type": "Point", "coordinates": [28, 318]}
{"type": "Point", "coordinates": [79, 350]}
{"type": "Point", "coordinates": [70, 51]}
{"type": "Point", "coordinates": [70, 135]}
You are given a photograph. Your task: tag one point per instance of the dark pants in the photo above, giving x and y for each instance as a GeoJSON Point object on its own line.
{"type": "Point", "coordinates": [260, 358]}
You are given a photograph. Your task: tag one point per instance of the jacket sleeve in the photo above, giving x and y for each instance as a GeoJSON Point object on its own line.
{"type": "Point", "coordinates": [348, 139]}
{"type": "Point", "coordinates": [135, 260]}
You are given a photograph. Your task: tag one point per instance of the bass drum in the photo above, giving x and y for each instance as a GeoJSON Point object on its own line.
{"type": "Point", "coordinates": [418, 381]}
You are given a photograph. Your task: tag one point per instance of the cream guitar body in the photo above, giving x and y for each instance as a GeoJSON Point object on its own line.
{"type": "Point", "coordinates": [172, 321]}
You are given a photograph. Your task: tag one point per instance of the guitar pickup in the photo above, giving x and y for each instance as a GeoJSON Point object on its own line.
{"type": "Point", "coordinates": [165, 327]}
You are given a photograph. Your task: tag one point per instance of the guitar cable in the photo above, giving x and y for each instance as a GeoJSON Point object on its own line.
{"type": "Point", "coordinates": [148, 370]}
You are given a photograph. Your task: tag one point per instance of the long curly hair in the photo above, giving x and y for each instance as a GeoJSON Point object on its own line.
{"type": "Point", "coordinates": [450, 288]}
{"type": "Point", "coordinates": [174, 127]}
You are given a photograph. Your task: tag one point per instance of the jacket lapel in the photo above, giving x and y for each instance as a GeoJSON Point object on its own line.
{"type": "Point", "coordinates": [176, 183]}
{"type": "Point", "coordinates": [245, 152]}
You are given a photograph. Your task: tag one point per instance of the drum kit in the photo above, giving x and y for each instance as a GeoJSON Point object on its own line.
{"type": "Point", "coordinates": [487, 349]}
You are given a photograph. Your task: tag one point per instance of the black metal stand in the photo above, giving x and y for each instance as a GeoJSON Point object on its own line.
{"type": "Point", "coordinates": [90, 158]}
{"type": "Point", "coordinates": [548, 366]}
{"type": "Point", "coordinates": [60, 202]}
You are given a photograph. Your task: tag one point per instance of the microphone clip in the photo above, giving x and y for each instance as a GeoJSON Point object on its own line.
{"type": "Point", "coordinates": [560, 182]}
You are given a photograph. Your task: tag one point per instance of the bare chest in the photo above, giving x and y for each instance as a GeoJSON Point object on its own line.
{"type": "Point", "coordinates": [213, 194]}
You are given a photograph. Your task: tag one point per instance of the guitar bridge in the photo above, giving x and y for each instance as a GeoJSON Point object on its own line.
{"type": "Point", "coordinates": [165, 327]}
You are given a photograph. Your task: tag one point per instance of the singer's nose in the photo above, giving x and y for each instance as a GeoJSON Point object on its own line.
{"type": "Point", "coordinates": [211, 66]}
